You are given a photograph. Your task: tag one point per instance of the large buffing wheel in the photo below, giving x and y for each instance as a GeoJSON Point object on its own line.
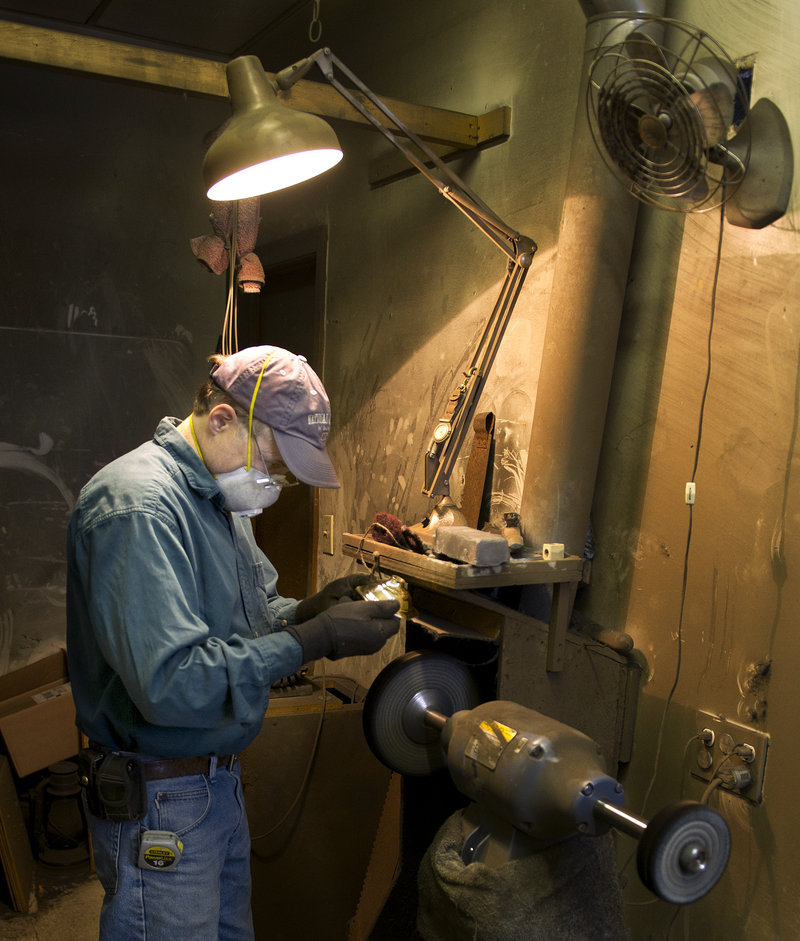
{"type": "Point", "coordinates": [398, 700]}
{"type": "Point", "coordinates": [683, 852]}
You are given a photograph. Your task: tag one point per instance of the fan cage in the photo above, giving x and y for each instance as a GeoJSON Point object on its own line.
{"type": "Point", "coordinates": [655, 115]}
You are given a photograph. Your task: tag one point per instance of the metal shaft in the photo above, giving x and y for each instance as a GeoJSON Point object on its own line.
{"type": "Point", "coordinates": [619, 818]}
{"type": "Point", "coordinates": [434, 719]}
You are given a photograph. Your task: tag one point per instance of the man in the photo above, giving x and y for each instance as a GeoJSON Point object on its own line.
{"type": "Point", "coordinates": [175, 633]}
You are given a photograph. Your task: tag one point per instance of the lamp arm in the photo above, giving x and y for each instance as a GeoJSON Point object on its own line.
{"type": "Point", "coordinates": [451, 429]}
{"type": "Point", "coordinates": [456, 190]}
{"type": "Point", "coordinates": [456, 420]}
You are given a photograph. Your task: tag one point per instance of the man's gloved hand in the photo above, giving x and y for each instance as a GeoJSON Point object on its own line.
{"type": "Point", "coordinates": [341, 589]}
{"type": "Point", "coordinates": [347, 630]}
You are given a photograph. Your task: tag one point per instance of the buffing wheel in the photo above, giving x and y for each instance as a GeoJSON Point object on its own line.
{"type": "Point", "coordinates": [683, 852]}
{"type": "Point", "coordinates": [395, 707]}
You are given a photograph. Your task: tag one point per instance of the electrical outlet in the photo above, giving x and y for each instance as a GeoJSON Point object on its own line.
{"type": "Point", "coordinates": [326, 534]}
{"type": "Point", "coordinates": [736, 751]}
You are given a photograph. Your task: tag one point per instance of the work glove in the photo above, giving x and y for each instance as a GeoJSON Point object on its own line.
{"type": "Point", "coordinates": [347, 630]}
{"type": "Point", "coordinates": [341, 589]}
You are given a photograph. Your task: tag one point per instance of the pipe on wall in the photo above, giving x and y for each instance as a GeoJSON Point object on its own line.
{"type": "Point", "coordinates": [594, 250]}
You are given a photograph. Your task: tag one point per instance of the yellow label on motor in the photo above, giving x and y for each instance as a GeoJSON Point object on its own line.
{"type": "Point", "coordinates": [498, 729]}
{"type": "Point", "coordinates": [489, 742]}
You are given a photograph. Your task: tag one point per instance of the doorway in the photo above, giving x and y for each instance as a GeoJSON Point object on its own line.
{"type": "Point", "coordinates": [290, 313]}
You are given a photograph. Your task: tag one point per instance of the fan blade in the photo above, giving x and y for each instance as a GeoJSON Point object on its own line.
{"type": "Point", "coordinates": [712, 89]}
{"type": "Point", "coordinates": [647, 61]}
{"type": "Point", "coordinates": [715, 107]}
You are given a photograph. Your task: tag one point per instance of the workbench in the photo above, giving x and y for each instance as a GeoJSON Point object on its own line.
{"type": "Point", "coordinates": [525, 568]}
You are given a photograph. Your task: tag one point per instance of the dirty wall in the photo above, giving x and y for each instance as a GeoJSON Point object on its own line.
{"type": "Point", "coordinates": [707, 375]}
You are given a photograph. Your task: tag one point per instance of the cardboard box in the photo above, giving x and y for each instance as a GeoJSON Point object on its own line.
{"type": "Point", "coordinates": [15, 848]}
{"type": "Point", "coordinates": [37, 715]}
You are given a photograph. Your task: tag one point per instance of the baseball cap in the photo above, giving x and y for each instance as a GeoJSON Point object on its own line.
{"type": "Point", "coordinates": [290, 398]}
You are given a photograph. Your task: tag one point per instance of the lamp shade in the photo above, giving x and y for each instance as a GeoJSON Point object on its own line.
{"type": "Point", "coordinates": [265, 146]}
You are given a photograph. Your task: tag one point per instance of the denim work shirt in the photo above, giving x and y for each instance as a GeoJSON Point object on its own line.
{"type": "Point", "coordinates": [174, 625]}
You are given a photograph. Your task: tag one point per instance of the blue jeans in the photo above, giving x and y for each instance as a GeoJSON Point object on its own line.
{"type": "Point", "coordinates": [207, 896]}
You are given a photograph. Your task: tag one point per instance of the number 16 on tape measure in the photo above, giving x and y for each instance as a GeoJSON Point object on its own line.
{"type": "Point", "coordinates": [159, 849]}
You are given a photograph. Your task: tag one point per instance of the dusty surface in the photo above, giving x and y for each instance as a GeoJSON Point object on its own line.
{"type": "Point", "coordinates": [68, 907]}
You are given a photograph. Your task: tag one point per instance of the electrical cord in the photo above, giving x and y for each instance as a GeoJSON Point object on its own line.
{"type": "Point", "coordinates": [716, 779]}
{"type": "Point", "coordinates": [713, 785]}
{"type": "Point", "coordinates": [685, 577]}
{"type": "Point", "coordinates": [306, 776]}
{"type": "Point", "coordinates": [230, 324]}
{"type": "Point", "coordinates": [374, 569]}
{"type": "Point", "coordinates": [357, 691]}
{"type": "Point", "coordinates": [671, 925]}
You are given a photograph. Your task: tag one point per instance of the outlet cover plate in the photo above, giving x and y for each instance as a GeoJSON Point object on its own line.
{"type": "Point", "coordinates": [705, 760]}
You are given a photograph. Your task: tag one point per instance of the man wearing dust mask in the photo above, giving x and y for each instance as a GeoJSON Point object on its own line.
{"type": "Point", "coordinates": [175, 633]}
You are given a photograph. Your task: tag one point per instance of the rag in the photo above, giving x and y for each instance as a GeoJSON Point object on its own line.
{"type": "Point", "coordinates": [389, 530]}
{"type": "Point", "coordinates": [213, 251]}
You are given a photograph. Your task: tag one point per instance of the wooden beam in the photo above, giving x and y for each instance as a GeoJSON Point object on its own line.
{"type": "Point", "coordinates": [205, 77]}
{"type": "Point", "coordinates": [393, 165]}
{"type": "Point", "coordinates": [131, 63]}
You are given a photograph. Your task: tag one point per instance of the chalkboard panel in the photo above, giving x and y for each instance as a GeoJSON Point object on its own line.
{"type": "Point", "coordinates": [107, 317]}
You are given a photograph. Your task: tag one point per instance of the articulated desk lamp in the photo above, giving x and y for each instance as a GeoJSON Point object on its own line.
{"type": "Point", "coordinates": [267, 146]}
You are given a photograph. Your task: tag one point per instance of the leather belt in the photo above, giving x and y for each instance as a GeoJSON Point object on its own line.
{"type": "Point", "coordinates": [158, 768]}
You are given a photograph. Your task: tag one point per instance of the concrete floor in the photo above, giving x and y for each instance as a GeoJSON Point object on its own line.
{"type": "Point", "coordinates": [68, 908]}
{"type": "Point", "coordinates": [69, 900]}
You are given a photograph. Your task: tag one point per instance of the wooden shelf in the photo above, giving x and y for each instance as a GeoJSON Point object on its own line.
{"type": "Point", "coordinates": [529, 568]}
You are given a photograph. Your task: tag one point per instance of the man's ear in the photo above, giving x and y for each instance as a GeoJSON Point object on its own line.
{"type": "Point", "coordinates": [221, 418]}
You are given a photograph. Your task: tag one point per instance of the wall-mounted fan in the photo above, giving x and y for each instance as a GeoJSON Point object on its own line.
{"type": "Point", "coordinates": [669, 112]}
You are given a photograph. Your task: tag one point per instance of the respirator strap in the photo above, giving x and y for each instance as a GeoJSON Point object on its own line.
{"type": "Point", "coordinates": [252, 407]}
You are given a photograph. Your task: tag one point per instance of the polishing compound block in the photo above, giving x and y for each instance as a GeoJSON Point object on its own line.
{"type": "Point", "coordinates": [466, 544]}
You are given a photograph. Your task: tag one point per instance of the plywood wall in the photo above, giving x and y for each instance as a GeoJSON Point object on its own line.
{"type": "Point", "coordinates": [707, 376]}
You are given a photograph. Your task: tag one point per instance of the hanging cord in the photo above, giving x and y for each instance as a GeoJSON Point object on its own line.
{"type": "Point", "coordinates": [315, 27]}
{"type": "Point", "coordinates": [230, 326]}
{"type": "Point", "coordinates": [685, 577]}
{"type": "Point", "coordinates": [691, 507]}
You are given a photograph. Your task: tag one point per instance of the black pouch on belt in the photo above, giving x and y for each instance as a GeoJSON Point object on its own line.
{"type": "Point", "coordinates": [115, 784]}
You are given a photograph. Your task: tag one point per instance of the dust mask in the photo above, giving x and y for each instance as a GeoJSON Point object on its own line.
{"type": "Point", "coordinates": [248, 491]}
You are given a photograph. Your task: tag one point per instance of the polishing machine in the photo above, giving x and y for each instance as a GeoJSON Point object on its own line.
{"type": "Point", "coordinates": [533, 782]}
